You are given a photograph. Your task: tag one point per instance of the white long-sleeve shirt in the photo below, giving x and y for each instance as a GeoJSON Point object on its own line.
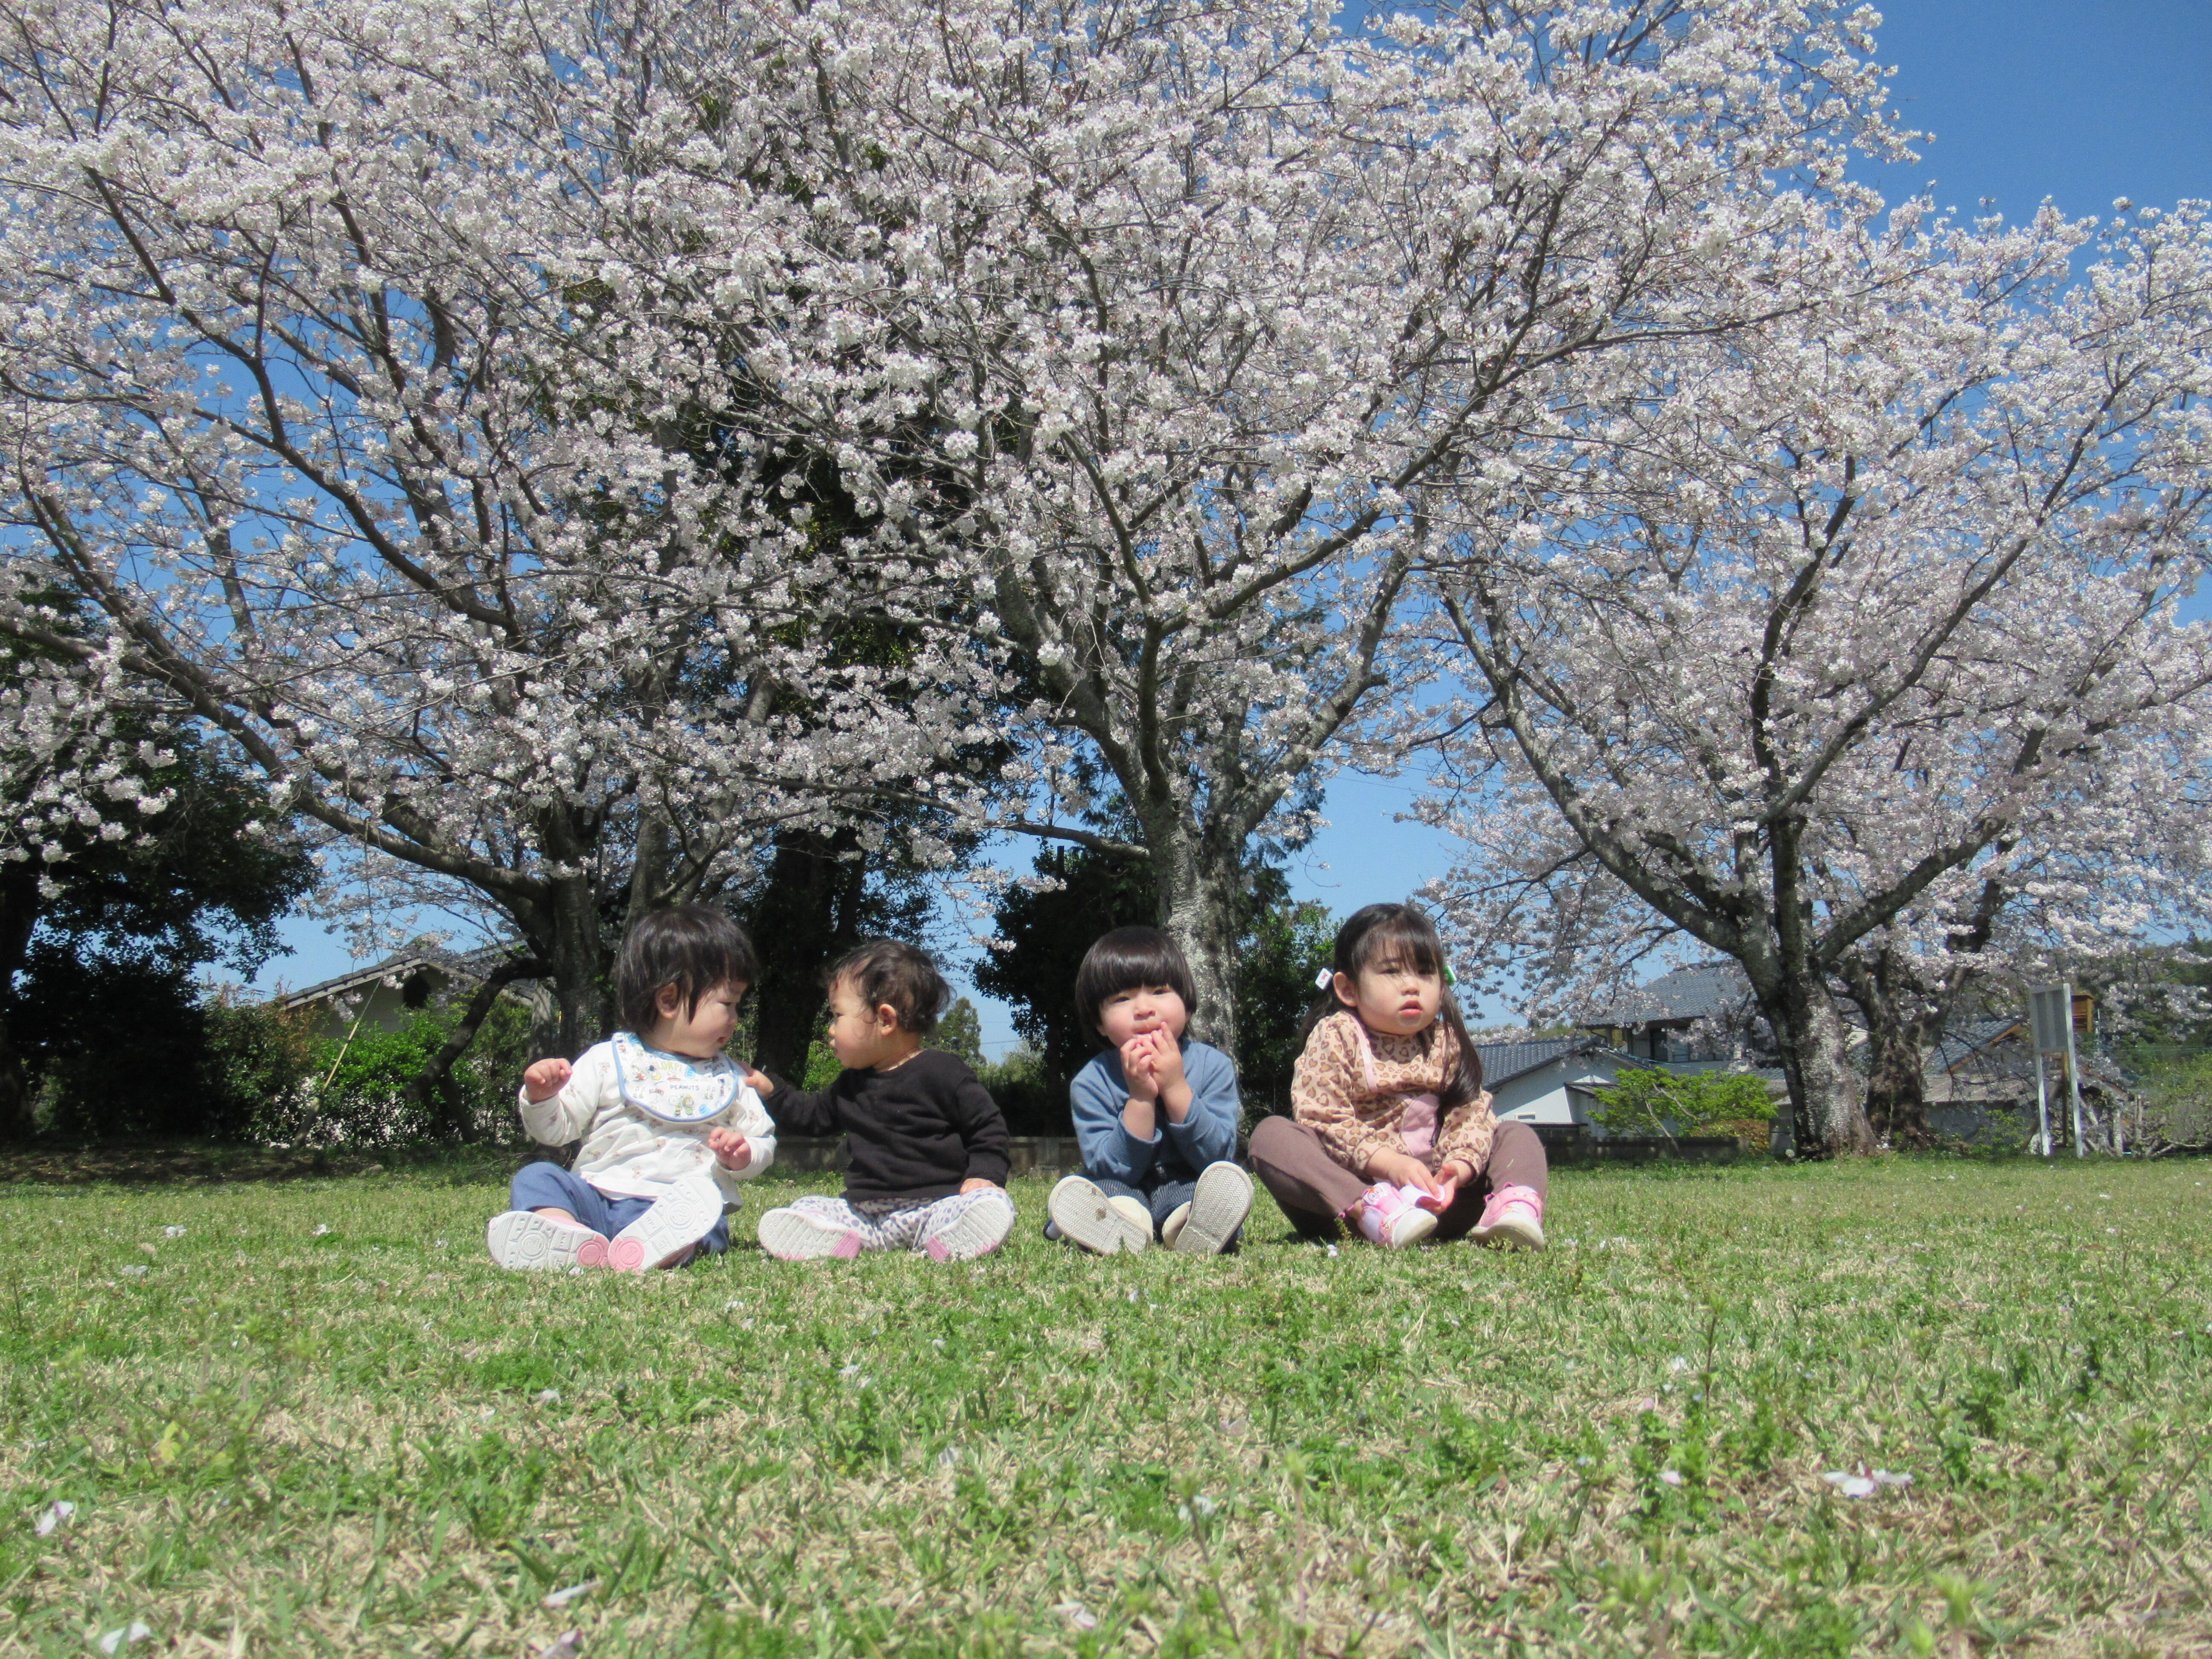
{"type": "Point", "coordinates": [643, 1117]}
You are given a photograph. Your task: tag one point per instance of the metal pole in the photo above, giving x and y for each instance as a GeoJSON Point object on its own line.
{"type": "Point", "coordinates": [2042, 1103]}
{"type": "Point", "coordinates": [2073, 1070]}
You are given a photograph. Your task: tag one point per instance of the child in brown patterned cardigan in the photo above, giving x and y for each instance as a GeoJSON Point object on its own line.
{"type": "Point", "coordinates": [1392, 1131]}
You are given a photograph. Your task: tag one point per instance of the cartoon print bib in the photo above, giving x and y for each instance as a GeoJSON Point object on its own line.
{"type": "Point", "coordinates": [670, 1087]}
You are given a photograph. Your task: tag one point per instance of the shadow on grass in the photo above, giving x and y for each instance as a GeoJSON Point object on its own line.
{"type": "Point", "coordinates": [199, 1163]}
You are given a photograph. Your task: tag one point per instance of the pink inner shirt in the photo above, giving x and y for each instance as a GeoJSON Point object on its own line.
{"type": "Point", "coordinates": [1417, 1123]}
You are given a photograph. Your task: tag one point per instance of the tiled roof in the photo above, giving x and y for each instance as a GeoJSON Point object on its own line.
{"type": "Point", "coordinates": [1690, 993]}
{"type": "Point", "coordinates": [1504, 1061]}
{"type": "Point", "coordinates": [461, 964]}
{"type": "Point", "coordinates": [1966, 1040]}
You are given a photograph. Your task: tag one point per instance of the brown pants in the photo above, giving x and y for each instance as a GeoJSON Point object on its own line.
{"type": "Point", "coordinates": [1314, 1189]}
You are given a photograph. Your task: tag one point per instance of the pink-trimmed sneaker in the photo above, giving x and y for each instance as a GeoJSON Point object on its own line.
{"type": "Point", "coordinates": [1515, 1216]}
{"type": "Point", "coordinates": [1391, 1220]}
{"type": "Point", "coordinates": [795, 1236]}
{"type": "Point", "coordinates": [524, 1242]}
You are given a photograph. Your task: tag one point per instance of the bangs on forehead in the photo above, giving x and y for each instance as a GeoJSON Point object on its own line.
{"type": "Point", "coordinates": [1403, 941]}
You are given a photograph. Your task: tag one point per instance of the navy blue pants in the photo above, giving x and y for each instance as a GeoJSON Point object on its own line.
{"type": "Point", "coordinates": [1163, 1200]}
{"type": "Point", "coordinates": [549, 1187]}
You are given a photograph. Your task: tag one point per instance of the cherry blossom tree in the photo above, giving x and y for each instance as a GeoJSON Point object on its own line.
{"type": "Point", "coordinates": [426, 400]}
{"type": "Point", "coordinates": [1856, 634]}
{"type": "Point", "coordinates": [1204, 304]}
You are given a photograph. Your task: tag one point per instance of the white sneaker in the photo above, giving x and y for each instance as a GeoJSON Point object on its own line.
{"type": "Point", "coordinates": [976, 1230]}
{"type": "Point", "coordinates": [1217, 1210]}
{"type": "Point", "coordinates": [1514, 1215]}
{"type": "Point", "coordinates": [1083, 1212]}
{"type": "Point", "coordinates": [795, 1235]}
{"type": "Point", "coordinates": [1391, 1220]}
{"type": "Point", "coordinates": [683, 1215]}
{"type": "Point", "coordinates": [525, 1242]}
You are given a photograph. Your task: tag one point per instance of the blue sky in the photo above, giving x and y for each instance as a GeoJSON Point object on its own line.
{"type": "Point", "coordinates": [2079, 100]}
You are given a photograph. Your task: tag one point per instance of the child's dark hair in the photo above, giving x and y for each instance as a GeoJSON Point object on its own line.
{"type": "Point", "coordinates": [693, 947]}
{"type": "Point", "coordinates": [1401, 934]}
{"type": "Point", "coordinates": [890, 971]}
{"type": "Point", "coordinates": [1124, 960]}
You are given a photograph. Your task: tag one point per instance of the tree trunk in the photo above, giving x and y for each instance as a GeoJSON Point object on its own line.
{"type": "Point", "coordinates": [19, 915]}
{"type": "Point", "coordinates": [1903, 1015]}
{"type": "Point", "coordinates": [807, 914]}
{"type": "Point", "coordinates": [1897, 1097]}
{"type": "Point", "coordinates": [1198, 888]}
{"type": "Point", "coordinates": [1827, 1109]}
{"type": "Point", "coordinates": [577, 961]}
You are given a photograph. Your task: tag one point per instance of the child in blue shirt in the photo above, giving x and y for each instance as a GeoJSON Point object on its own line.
{"type": "Point", "coordinates": [1155, 1112]}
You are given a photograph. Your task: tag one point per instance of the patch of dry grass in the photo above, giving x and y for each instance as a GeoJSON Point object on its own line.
{"type": "Point", "coordinates": [368, 1440]}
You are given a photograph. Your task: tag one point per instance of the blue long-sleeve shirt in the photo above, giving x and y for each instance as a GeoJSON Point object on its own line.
{"type": "Point", "coordinates": [1177, 1152]}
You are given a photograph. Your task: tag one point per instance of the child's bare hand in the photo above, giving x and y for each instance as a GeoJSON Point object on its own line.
{"type": "Point", "coordinates": [759, 1082]}
{"type": "Point", "coordinates": [977, 1184]}
{"type": "Point", "coordinates": [1456, 1175]}
{"type": "Point", "coordinates": [732, 1149]}
{"type": "Point", "coordinates": [1167, 1058]}
{"type": "Point", "coordinates": [546, 1078]}
{"type": "Point", "coordinates": [1137, 1068]}
{"type": "Point", "coordinates": [1403, 1170]}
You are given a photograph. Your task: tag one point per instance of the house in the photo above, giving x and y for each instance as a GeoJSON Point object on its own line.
{"type": "Point", "coordinates": [382, 996]}
{"type": "Point", "coordinates": [1979, 1079]}
{"type": "Point", "coordinates": [1655, 1022]}
{"type": "Point", "coordinates": [1551, 1082]}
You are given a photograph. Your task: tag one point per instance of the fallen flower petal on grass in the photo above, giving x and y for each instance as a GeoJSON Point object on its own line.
{"type": "Point", "coordinates": [172, 1232]}
{"type": "Point", "coordinates": [1891, 1477]}
{"type": "Point", "coordinates": [560, 1598]}
{"type": "Point", "coordinates": [567, 1645]}
{"type": "Point", "coordinates": [1077, 1615]}
{"type": "Point", "coordinates": [1851, 1486]}
{"type": "Point", "coordinates": [52, 1515]}
{"type": "Point", "coordinates": [321, 1227]}
{"type": "Point", "coordinates": [1672, 1477]}
{"type": "Point", "coordinates": [115, 1639]}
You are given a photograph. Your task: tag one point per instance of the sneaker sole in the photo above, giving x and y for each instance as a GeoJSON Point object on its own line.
{"type": "Point", "coordinates": [1513, 1234]}
{"type": "Point", "coordinates": [1414, 1228]}
{"type": "Point", "coordinates": [1217, 1209]}
{"type": "Point", "coordinates": [686, 1214]}
{"type": "Point", "coordinates": [977, 1230]}
{"type": "Point", "coordinates": [790, 1236]}
{"type": "Point", "coordinates": [1081, 1212]}
{"type": "Point", "coordinates": [523, 1241]}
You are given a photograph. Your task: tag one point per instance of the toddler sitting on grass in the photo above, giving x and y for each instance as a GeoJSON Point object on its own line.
{"type": "Point", "coordinates": [1155, 1112]}
{"type": "Point", "coordinates": [925, 1156]}
{"type": "Point", "coordinates": [669, 1124]}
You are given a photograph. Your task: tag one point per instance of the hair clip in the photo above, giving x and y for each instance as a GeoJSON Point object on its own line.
{"type": "Point", "coordinates": [1450, 978]}
{"type": "Point", "coordinates": [1324, 979]}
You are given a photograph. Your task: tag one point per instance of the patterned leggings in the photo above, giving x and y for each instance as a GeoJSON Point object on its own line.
{"type": "Point", "coordinates": [896, 1223]}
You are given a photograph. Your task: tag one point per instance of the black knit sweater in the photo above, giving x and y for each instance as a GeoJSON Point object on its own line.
{"type": "Point", "coordinates": [916, 1131]}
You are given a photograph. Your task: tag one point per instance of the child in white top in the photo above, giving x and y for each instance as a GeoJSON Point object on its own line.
{"type": "Point", "coordinates": [668, 1125]}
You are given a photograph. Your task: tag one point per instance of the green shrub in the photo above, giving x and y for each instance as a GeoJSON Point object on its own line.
{"type": "Point", "coordinates": [2175, 1091]}
{"type": "Point", "coordinates": [358, 1090]}
{"type": "Point", "coordinates": [1030, 1098]}
{"type": "Point", "coordinates": [1673, 1104]}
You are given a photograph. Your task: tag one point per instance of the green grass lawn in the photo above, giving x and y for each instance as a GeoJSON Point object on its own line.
{"type": "Point", "coordinates": [307, 1417]}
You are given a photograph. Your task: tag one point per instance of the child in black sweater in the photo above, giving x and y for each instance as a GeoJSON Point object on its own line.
{"type": "Point", "coordinates": [925, 1146]}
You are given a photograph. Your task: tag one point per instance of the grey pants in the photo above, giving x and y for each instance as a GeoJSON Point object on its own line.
{"type": "Point", "coordinates": [896, 1223]}
{"type": "Point", "coordinates": [1314, 1189]}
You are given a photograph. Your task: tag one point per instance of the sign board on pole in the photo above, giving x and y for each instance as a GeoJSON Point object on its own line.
{"type": "Point", "coordinates": [2050, 1011]}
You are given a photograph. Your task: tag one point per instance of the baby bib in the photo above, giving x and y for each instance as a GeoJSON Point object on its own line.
{"type": "Point", "coordinates": [672, 1087]}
